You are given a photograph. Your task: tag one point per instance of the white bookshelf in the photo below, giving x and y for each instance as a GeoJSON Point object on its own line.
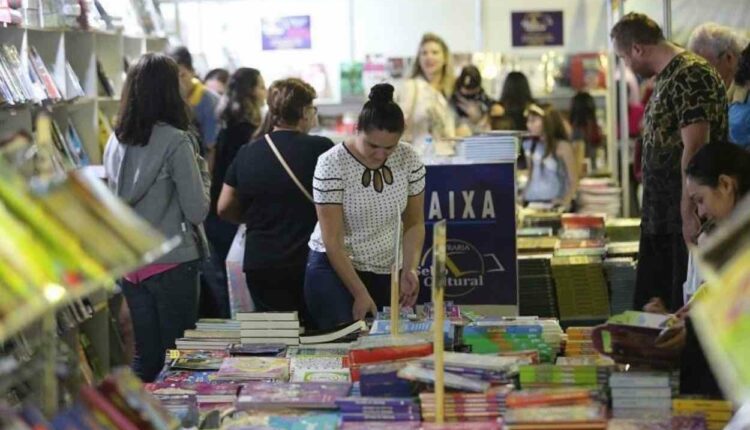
{"type": "Point", "coordinates": [81, 49]}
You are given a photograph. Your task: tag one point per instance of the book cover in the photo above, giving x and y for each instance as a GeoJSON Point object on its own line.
{"type": "Point", "coordinates": [341, 332]}
{"type": "Point", "coordinates": [186, 377]}
{"type": "Point", "coordinates": [321, 375]}
{"type": "Point", "coordinates": [199, 360]}
{"type": "Point", "coordinates": [295, 395]}
{"type": "Point", "coordinates": [381, 416]}
{"type": "Point", "coordinates": [254, 368]}
{"type": "Point", "coordinates": [357, 403]}
{"type": "Point", "coordinates": [416, 373]}
{"type": "Point", "coordinates": [204, 393]}
{"type": "Point", "coordinates": [53, 93]}
{"type": "Point", "coordinates": [269, 349]}
{"type": "Point", "coordinates": [550, 397]}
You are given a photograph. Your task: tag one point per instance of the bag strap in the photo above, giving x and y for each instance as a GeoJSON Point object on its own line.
{"type": "Point", "coordinates": [287, 168]}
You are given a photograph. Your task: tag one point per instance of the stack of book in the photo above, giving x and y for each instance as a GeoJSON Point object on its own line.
{"type": "Point", "coordinates": [623, 249]}
{"type": "Point", "coordinates": [515, 335]}
{"type": "Point", "coordinates": [281, 395]}
{"type": "Point", "coordinates": [641, 394]}
{"type": "Point", "coordinates": [210, 334]}
{"type": "Point", "coordinates": [550, 220]}
{"type": "Point", "coordinates": [717, 413]}
{"type": "Point", "coordinates": [623, 229]}
{"type": "Point", "coordinates": [269, 327]}
{"type": "Point", "coordinates": [468, 406]}
{"type": "Point", "coordinates": [253, 369]}
{"type": "Point", "coordinates": [495, 147]}
{"type": "Point", "coordinates": [370, 350]}
{"type": "Point", "coordinates": [492, 369]}
{"type": "Point", "coordinates": [620, 274]}
{"type": "Point", "coordinates": [582, 235]}
{"type": "Point", "coordinates": [579, 342]}
{"type": "Point", "coordinates": [582, 293]}
{"type": "Point", "coordinates": [536, 287]}
{"type": "Point", "coordinates": [673, 423]}
{"type": "Point", "coordinates": [207, 395]}
{"type": "Point", "coordinates": [25, 82]}
{"type": "Point", "coordinates": [381, 380]}
{"type": "Point", "coordinates": [364, 409]}
{"type": "Point", "coordinates": [599, 195]}
{"type": "Point", "coordinates": [575, 417]}
{"type": "Point", "coordinates": [537, 245]}
{"type": "Point", "coordinates": [559, 376]}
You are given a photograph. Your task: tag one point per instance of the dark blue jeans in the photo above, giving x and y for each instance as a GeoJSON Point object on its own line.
{"type": "Point", "coordinates": [162, 307]}
{"type": "Point", "coordinates": [328, 301]}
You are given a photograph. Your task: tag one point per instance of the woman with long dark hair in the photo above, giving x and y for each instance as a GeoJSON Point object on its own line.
{"type": "Point", "coordinates": [515, 97]}
{"type": "Point", "coordinates": [266, 188]}
{"type": "Point", "coordinates": [152, 163]}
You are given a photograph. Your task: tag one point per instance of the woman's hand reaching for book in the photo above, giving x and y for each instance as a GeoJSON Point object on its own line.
{"type": "Point", "coordinates": [409, 288]}
{"type": "Point", "coordinates": [363, 304]}
{"type": "Point", "coordinates": [673, 338]}
{"type": "Point", "coordinates": [655, 306]}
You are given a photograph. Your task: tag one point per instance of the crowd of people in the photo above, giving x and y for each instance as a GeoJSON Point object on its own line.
{"type": "Point", "coordinates": [197, 158]}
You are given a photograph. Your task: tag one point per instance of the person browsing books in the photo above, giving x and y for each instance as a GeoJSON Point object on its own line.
{"type": "Point", "coordinates": [269, 191]}
{"type": "Point", "coordinates": [362, 188]}
{"type": "Point", "coordinates": [240, 114]}
{"type": "Point", "coordinates": [152, 163]}
{"type": "Point", "coordinates": [553, 174]}
{"type": "Point", "coordinates": [718, 177]}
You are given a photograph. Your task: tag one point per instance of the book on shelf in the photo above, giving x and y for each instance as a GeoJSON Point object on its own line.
{"type": "Point", "coordinates": [73, 86]}
{"type": "Point", "coordinates": [75, 145]}
{"type": "Point", "coordinates": [106, 87]}
{"type": "Point", "coordinates": [18, 88]}
{"type": "Point", "coordinates": [50, 87]}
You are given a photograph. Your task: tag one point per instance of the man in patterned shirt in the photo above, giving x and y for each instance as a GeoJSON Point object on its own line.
{"type": "Point", "coordinates": [687, 109]}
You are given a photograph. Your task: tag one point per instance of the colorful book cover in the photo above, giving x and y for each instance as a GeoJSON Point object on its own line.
{"type": "Point", "coordinates": [310, 395]}
{"type": "Point", "coordinates": [350, 403]}
{"type": "Point", "coordinates": [321, 375]}
{"type": "Point", "coordinates": [254, 368]}
{"type": "Point", "coordinates": [186, 377]}
{"type": "Point", "coordinates": [199, 360]}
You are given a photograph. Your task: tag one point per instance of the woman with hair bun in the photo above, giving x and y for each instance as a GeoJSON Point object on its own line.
{"type": "Point", "coordinates": [361, 188]}
{"type": "Point", "coordinates": [267, 187]}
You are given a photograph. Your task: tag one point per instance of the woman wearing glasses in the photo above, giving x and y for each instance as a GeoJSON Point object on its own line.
{"type": "Point", "coordinates": [267, 187]}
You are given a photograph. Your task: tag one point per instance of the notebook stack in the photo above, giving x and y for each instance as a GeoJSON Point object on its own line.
{"type": "Point", "coordinates": [468, 406]}
{"type": "Point", "coordinates": [496, 147]}
{"type": "Point", "coordinates": [717, 413]}
{"type": "Point", "coordinates": [560, 376]}
{"type": "Point", "coordinates": [536, 288]}
{"type": "Point", "coordinates": [582, 293]}
{"type": "Point", "coordinates": [365, 409]}
{"type": "Point", "coordinates": [579, 342]}
{"type": "Point", "coordinates": [210, 334]}
{"type": "Point", "coordinates": [269, 327]}
{"type": "Point", "coordinates": [620, 274]}
{"type": "Point", "coordinates": [641, 394]}
{"type": "Point", "coordinates": [599, 195]}
{"type": "Point", "coordinates": [508, 335]}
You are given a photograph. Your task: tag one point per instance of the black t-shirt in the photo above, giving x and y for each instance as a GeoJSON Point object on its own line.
{"type": "Point", "coordinates": [279, 218]}
{"type": "Point", "coordinates": [229, 141]}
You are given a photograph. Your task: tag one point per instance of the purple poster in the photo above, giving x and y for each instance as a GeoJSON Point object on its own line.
{"type": "Point", "coordinates": [288, 32]}
{"type": "Point", "coordinates": [537, 28]}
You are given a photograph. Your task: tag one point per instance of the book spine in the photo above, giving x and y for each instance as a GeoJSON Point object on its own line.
{"type": "Point", "coordinates": [638, 382]}
{"type": "Point", "coordinates": [643, 402]}
{"type": "Point", "coordinates": [97, 402]}
{"type": "Point", "coordinates": [661, 392]}
{"type": "Point", "coordinates": [375, 355]}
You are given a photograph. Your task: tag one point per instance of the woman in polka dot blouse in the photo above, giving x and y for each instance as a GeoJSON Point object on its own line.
{"type": "Point", "coordinates": [361, 188]}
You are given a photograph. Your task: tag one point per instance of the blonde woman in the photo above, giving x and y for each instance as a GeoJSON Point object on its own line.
{"type": "Point", "coordinates": [425, 97]}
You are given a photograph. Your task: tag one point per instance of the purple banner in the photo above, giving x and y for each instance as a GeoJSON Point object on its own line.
{"type": "Point", "coordinates": [288, 32]}
{"type": "Point", "coordinates": [537, 28]}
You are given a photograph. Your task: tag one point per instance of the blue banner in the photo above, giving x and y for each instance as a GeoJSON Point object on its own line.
{"type": "Point", "coordinates": [288, 32]}
{"type": "Point", "coordinates": [537, 28]}
{"type": "Point", "coordinates": [478, 201]}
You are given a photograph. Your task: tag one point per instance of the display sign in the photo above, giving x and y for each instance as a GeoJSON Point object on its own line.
{"type": "Point", "coordinates": [288, 32]}
{"type": "Point", "coordinates": [537, 28]}
{"type": "Point", "coordinates": [478, 201]}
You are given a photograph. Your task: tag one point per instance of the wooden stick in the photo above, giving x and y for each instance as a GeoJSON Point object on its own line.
{"type": "Point", "coordinates": [438, 305]}
{"type": "Point", "coordinates": [396, 280]}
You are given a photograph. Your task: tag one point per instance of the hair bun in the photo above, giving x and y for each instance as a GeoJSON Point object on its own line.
{"type": "Point", "coordinates": [381, 94]}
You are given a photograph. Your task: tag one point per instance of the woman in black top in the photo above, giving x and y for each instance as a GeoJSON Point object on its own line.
{"type": "Point", "coordinates": [515, 98]}
{"type": "Point", "coordinates": [259, 192]}
{"type": "Point", "coordinates": [240, 114]}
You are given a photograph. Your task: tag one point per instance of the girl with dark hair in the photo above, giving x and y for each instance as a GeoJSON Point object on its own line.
{"type": "Point", "coordinates": [515, 97]}
{"type": "Point", "coordinates": [717, 178]}
{"type": "Point", "coordinates": [267, 187]}
{"type": "Point", "coordinates": [553, 175]}
{"type": "Point", "coordinates": [739, 105]}
{"type": "Point", "coordinates": [424, 97]}
{"type": "Point", "coordinates": [470, 102]}
{"type": "Point", "coordinates": [152, 163]}
{"type": "Point", "coordinates": [585, 126]}
{"type": "Point", "coordinates": [362, 188]}
{"type": "Point", "coordinates": [216, 80]}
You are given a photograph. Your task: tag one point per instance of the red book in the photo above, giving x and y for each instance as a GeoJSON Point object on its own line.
{"type": "Point", "coordinates": [101, 406]}
{"type": "Point", "coordinates": [392, 353]}
{"type": "Point", "coordinates": [521, 399]}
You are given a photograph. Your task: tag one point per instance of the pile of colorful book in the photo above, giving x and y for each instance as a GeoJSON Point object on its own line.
{"type": "Point", "coordinates": [552, 408]}
{"type": "Point", "coordinates": [536, 287]}
{"type": "Point", "coordinates": [210, 334]}
{"type": "Point", "coordinates": [533, 219]}
{"type": "Point", "coordinates": [505, 335]}
{"type": "Point", "coordinates": [367, 409]}
{"type": "Point", "coordinates": [717, 413]}
{"type": "Point", "coordinates": [641, 394]}
{"type": "Point", "coordinates": [462, 406]}
{"type": "Point", "coordinates": [582, 293]}
{"type": "Point", "coordinates": [590, 377]}
{"type": "Point", "coordinates": [599, 195]}
{"type": "Point", "coordinates": [579, 343]}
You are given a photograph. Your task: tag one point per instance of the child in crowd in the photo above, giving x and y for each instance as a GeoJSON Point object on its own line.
{"type": "Point", "coordinates": [553, 175]}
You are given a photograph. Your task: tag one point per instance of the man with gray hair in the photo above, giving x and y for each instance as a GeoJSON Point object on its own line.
{"type": "Point", "coordinates": [719, 45]}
